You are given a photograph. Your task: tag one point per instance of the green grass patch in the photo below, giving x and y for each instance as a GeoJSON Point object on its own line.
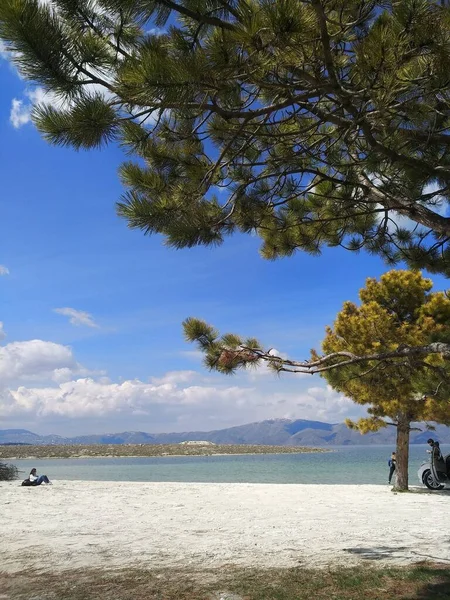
{"type": "Point", "coordinates": [423, 582]}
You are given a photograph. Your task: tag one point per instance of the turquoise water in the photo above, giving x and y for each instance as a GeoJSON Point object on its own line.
{"type": "Point", "coordinates": [344, 465]}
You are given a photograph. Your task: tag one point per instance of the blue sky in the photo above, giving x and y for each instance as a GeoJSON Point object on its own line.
{"type": "Point", "coordinates": [122, 363]}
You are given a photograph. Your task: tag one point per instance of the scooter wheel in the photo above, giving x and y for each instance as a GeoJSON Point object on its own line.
{"type": "Point", "coordinates": [427, 479]}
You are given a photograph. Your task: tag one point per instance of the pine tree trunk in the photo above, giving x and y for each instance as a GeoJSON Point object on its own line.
{"type": "Point", "coordinates": [402, 455]}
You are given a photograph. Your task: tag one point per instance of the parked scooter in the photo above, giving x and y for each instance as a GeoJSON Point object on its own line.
{"type": "Point", "coordinates": [435, 473]}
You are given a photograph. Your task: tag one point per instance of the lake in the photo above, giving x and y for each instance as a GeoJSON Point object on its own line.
{"type": "Point", "coordinates": [344, 465]}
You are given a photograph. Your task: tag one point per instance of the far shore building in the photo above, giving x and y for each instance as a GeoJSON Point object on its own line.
{"type": "Point", "coordinates": [197, 443]}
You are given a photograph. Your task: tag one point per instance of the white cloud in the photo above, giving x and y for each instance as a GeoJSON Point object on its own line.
{"type": "Point", "coordinates": [172, 401]}
{"type": "Point", "coordinates": [21, 109]}
{"type": "Point", "coordinates": [41, 382]}
{"type": "Point", "coordinates": [263, 369]}
{"type": "Point", "coordinates": [326, 404]}
{"type": "Point", "coordinates": [157, 31]}
{"type": "Point", "coordinates": [88, 397]}
{"type": "Point", "coordinates": [7, 56]}
{"type": "Point", "coordinates": [440, 206]}
{"type": "Point", "coordinates": [4, 270]}
{"type": "Point", "coordinates": [174, 377]}
{"type": "Point", "coordinates": [64, 374]}
{"type": "Point", "coordinates": [20, 113]}
{"type": "Point", "coordinates": [313, 403]}
{"type": "Point", "coordinates": [39, 96]}
{"type": "Point", "coordinates": [38, 362]}
{"type": "Point", "coordinates": [85, 397]}
{"type": "Point", "coordinates": [34, 360]}
{"type": "Point", "coordinates": [2, 331]}
{"type": "Point", "coordinates": [3, 51]}
{"type": "Point", "coordinates": [77, 317]}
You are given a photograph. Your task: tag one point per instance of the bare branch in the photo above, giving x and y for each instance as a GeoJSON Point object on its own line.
{"type": "Point", "coordinates": [334, 360]}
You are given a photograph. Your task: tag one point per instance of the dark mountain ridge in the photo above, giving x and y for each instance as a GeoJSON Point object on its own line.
{"type": "Point", "coordinates": [276, 432]}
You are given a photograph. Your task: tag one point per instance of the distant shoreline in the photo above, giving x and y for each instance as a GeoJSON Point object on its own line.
{"type": "Point", "coordinates": [146, 451]}
{"type": "Point", "coordinates": [159, 455]}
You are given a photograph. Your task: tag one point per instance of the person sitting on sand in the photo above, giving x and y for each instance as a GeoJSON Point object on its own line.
{"type": "Point", "coordinates": [392, 462]}
{"type": "Point", "coordinates": [38, 479]}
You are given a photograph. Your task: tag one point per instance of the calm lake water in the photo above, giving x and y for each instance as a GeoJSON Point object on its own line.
{"type": "Point", "coordinates": [344, 465]}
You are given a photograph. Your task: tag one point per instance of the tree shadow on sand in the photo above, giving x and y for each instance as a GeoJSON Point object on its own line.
{"type": "Point", "coordinates": [436, 590]}
{"type": "Point", "coordinates": [377, 553]}
{"type": "Point", "coordinates": [432, 576]}
{"type": "Point", "coordinates": [424, 490]}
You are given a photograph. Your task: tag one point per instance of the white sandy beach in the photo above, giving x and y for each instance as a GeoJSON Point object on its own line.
{"type": "Point", "coordinates": [75, 524]}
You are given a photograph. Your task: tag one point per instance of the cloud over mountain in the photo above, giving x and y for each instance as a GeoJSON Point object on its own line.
{"type": "Point", "coordinates": [42, 381]}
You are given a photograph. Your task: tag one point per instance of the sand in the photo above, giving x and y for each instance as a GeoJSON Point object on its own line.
{"type": "Point", "coordinates": [75, 524]}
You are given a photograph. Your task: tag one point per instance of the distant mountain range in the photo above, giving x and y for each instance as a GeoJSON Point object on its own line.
{"type": "Point", "coordinates": [278, 432]}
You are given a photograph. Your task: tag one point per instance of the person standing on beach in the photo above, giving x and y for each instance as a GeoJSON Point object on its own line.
{"type": "Point", "coordinates": [436, 455]}
{"type": "Point", "coordinates": [392, 462]}
{"type": "Point", "coordinates": [435, 449]}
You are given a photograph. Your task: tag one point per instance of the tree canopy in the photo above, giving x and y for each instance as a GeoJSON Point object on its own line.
{"type": "Point", "coordinates": [397, 310]}
{"type": "Point", "coordinates": [311, 123]}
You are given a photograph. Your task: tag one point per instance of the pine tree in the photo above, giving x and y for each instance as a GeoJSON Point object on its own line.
{"type": "Point", "coordinates": [311, 123]}
{"type": "Point", "coordinates": [397, 313]}
{"type": "Point", "coordinates": [397, 310]}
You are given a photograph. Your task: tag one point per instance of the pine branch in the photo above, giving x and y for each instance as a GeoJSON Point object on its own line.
{"type": "Point", "coordinates": [331, 361]}
{"type": "Point", "coordinates": [196, 16]}
{"type": "Point", "coordinates": [299, 108]}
